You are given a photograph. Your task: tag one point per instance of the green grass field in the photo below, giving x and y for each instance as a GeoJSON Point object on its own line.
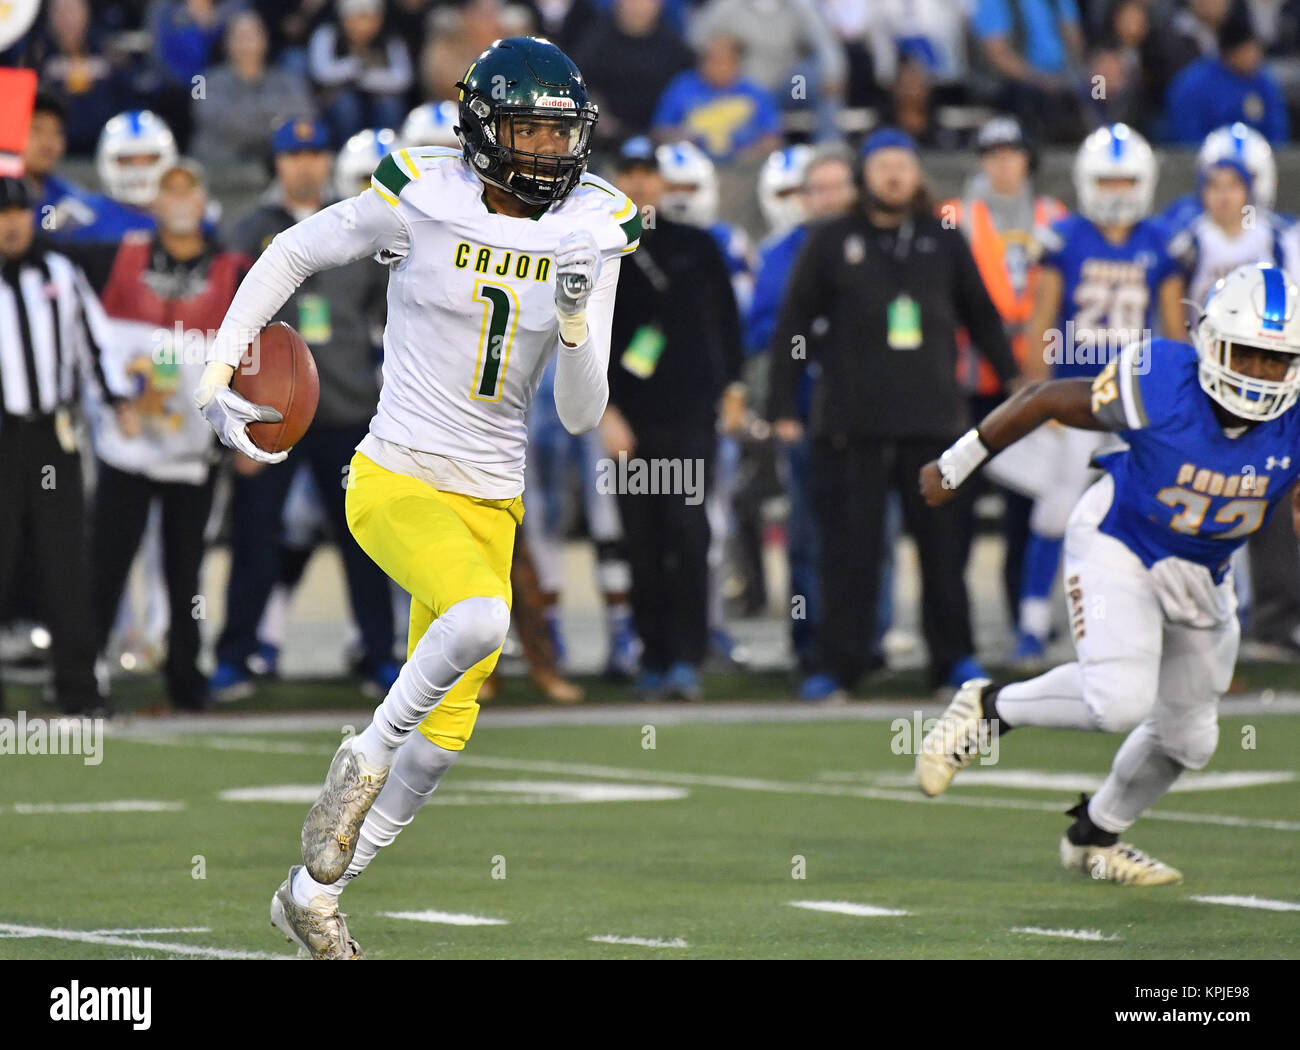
{"type": "Point", "coordinates": [705, 865]}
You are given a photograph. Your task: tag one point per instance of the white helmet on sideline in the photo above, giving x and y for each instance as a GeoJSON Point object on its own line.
{"type": "Point", "coordinates": [1242, 145]}
{"type": "Point", "coordinates": [780, 181]}
{"type": "Point", "coordinates": [690, 193]}
{"type": "Point", "coordinates": [1115, 152]}
{"type": "Point", "coordinates": [137, 133]}
{"type": "Point", "coordinates": [359, 157]}
{"type": "Point", "coordinates": [431, 124]}
{"type": "Point", "coordinates": [1258, 306]}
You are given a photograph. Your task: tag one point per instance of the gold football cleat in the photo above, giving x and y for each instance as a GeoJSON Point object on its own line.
{"type": "Point", "coordinates": [320, 930]}
{"type": "Point", "coordinates": [329, 834]}
{"type": "Point", "coordinates": [1121, 863]}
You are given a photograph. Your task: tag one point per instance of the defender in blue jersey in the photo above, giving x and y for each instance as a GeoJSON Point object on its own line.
{"type": "Point", "coordinates": [1213, 437]}
{"type": "Point", "coordinates": [1104, 280]}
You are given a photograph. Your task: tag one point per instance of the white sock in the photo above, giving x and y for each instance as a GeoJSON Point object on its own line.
{"type": "Point", "coordinates": [469, 631]}
{"type": "Point", "coordinates": [416, 772]}
{"type": "Point", "coordinates": [1140, 774]}
{"type": "Point", "coordinates": [1053, 700]}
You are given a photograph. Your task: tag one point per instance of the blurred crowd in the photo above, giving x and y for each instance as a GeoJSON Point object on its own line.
{"type": "Point", "coordinates": [731, 75]}
{"type": "Point", "coordinates": [818, 460]}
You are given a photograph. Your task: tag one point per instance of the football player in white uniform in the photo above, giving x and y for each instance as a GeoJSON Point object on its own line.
{"type": "Point", "coordinates": [503, 254]}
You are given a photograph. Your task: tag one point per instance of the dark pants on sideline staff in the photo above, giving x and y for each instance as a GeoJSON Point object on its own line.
{"type": "Point", "coordinates": [122, 502]}
{"type": "Point", "coordinates": [257, 506]}
{"type": "Point", "coordinates": [849, 481]}
{"type": "Point", "coordinates": [667, 542]}
{"type": "Point", "coordinates": [43, 519]}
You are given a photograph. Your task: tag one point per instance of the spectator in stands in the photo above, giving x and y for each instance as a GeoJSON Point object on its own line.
{"type": "Point", "coordinates": [456, 36]}
{"type": "Point", "coordinates": [675, 348]}
{"type": "Point", "coordinates": [628, 58]}
{"type": "Point", "coordinates": [1234, 86]}
{"type": "Point", "coordinates": [244, 100]}
{"type": "Point", "coordinates": [894, 283]}
{"type": "Point", "coordinates": [729, 116]}
{"type": "Point", "coordinates": [74, 69]}
{"type": "Point", "coordinates": [289, 24]}
{"type": "Point", "coordinates": [566, 24]}
{"type": "Point", "coordinates": [178, 276]}
{"type": "Point", "coordinates": [335, 312]}
{"type": "Point", "coordinates": [1135, 67]}
{"type": "Point", "coordinates": [1196, 30]}
{"type": "Point", "coordinates": [361, 71]}
{"type": "Point", "coordinates": [932, 30]}
{"type": "Point", "coordinates": [789, 49]}
{"type": "Point", "coordinates": [911, 104]}
{"type": "Point", "coordinates": [185, 36]}
{"type": "Point", "coordinates": [1036, 49]}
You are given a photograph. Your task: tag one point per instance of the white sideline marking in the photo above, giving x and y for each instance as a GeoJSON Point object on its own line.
{"type": "Point", "coordinates": [847, 908]}
{"type": "Point", "coordinates": [12, 930]}
{"type": "Point", "coordinates": [1074, 935]}
{"type": "Point", "coordinates": [1250, 902]}
{"type": "Point", "coordinates": [118, 806]}
{"type": "Point", "coordinates": [643, 942]}
{"type": "Point", "coordinates": [152, 930]}
{"type": "Point", "coordinates": [1041, 780]}
{"type": "Point", "coordinates": [500, 792]}
{"type": "Point", "coordinates": [448, 918]}
{"type": "Point", "coordinates": [786, 787]}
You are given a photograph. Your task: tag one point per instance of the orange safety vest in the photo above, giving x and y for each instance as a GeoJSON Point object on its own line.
{"type": "Point", "coordinates": [989, 250]}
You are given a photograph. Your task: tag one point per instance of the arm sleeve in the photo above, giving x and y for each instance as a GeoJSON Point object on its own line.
{"type": "Point", "coordinates": [1119, 400]}
{"type": "Point", "coordinates": [343, 232]}
{"type": "Point", "coordinates": [978, 313]}
{"type": "Point", "coordinates": [801, 304]}
{"type": "Point", "coordinates": [582, 371]}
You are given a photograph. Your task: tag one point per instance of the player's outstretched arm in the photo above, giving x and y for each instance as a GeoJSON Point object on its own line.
{"type": "Point", "coordinates": [1067, 401]}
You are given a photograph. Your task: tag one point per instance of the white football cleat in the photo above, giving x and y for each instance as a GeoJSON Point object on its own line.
{"type": "Point", "coordinates": [1121, 863]}
{"type": "Point", "coordinates": [959, 736]}
{"type": "Point", "coordinates": [320, 930]}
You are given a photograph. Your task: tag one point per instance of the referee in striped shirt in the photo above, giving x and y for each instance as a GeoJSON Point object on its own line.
{"type": "Point", "coordinates": [53, 334]}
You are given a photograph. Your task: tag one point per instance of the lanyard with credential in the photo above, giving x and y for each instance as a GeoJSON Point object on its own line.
{"type": "Point", "coordinates": [903, 320]}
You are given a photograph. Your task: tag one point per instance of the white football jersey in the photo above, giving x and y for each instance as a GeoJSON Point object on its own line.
{"type": "Point", "coordinates": [471, 306]}
{"type": "Point", "coordinates": [1207, 252]}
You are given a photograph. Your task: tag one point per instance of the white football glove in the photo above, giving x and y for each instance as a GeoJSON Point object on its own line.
{"type": "Point", "coordinates": [577, 265]}
{"type": "Point", "coordinates": [229, 415]}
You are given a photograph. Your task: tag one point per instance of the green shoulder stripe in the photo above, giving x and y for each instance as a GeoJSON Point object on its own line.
{"type": "Point", "coordinates": [632, 227]}
{"type": "Point", "coordinates": [391, 175]}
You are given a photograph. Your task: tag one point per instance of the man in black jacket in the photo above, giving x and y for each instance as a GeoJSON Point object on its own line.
{"type": "Point", "coordinates": [675, 357]}
{"type": "Point", "coordinates": [894, 285]}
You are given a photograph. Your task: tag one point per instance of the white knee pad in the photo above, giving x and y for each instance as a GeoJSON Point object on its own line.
{"type": "Point", "coordinates": [1190, 743]}
{"type": "Point", "coordinates": [1120, 694]}
{"type": "Point", "coordinates": [474, 628]}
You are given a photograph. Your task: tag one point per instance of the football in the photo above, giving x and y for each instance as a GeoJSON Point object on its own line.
{"type": "Point", "coordinates": [279, 371]}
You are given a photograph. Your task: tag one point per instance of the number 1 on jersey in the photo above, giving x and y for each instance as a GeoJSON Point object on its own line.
{"type": "Point", "coordinates": [500, 316]}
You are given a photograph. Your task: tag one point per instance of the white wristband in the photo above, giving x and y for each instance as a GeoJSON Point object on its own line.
{"type": "Point", "coordinates": [573, 327]}
{"type": "Point", "coordinates": [962, 459]}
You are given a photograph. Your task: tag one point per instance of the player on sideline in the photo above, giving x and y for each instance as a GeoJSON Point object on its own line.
{"type": "Point", "coordinates": [1213, 447]}
{"type": "Point", "coordinates": [502, 254]}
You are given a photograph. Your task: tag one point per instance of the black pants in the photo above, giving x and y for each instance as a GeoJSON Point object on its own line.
{"type": "Point", "coordinates": [257, 503]}
{"type": "Point", "coordinates": [849, 482]}
{"type": "Point", "coordinates": [43, 522]}
{"type": "Point", "coordinates": [1275, 579]}
{"type": "Point", "coordinates": [122, 503]}
{"type": "Point", "coordinates": [667, 538]}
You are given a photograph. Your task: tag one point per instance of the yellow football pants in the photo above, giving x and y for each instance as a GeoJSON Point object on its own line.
{"type": "Point", "coordinates": [441, 548]}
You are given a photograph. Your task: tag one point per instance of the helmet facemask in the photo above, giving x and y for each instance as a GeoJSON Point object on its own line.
{"type": "Point", "coordinates": [1245, 396]}
{"type": "Point", "coordinates": [511, 160]}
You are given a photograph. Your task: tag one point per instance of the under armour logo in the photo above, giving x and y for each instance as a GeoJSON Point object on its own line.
{"type": "Point", "coordinates": [1275, 464]}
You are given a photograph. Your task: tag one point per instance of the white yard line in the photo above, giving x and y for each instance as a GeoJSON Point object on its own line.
{"type": "Point", "coordinates": [1073, 935]}
{"type": "Point", "coordinates": [642, 942]}
{"type": "Point", "coordinates": [848, 908]}
{"type": "Point", "coordinates": [448, 918]}
{"type": "Point", "coordinates": [1044, 780]}
{"type": "Point", "coordinates": [126, 805]}
{"type": "Point", "coordinates": [12, 930]}
{"type": "Point", "coordinates": [154, 930]}
{"type": "Point", "coordinates": [1250, 902]}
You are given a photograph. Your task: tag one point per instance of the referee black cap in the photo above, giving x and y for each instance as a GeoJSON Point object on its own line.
{"type": "Point", "coordinates": [14, 194]}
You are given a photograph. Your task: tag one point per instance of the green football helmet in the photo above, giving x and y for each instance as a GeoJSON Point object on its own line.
{"type": "Point", "coordinates": [526, 120]}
